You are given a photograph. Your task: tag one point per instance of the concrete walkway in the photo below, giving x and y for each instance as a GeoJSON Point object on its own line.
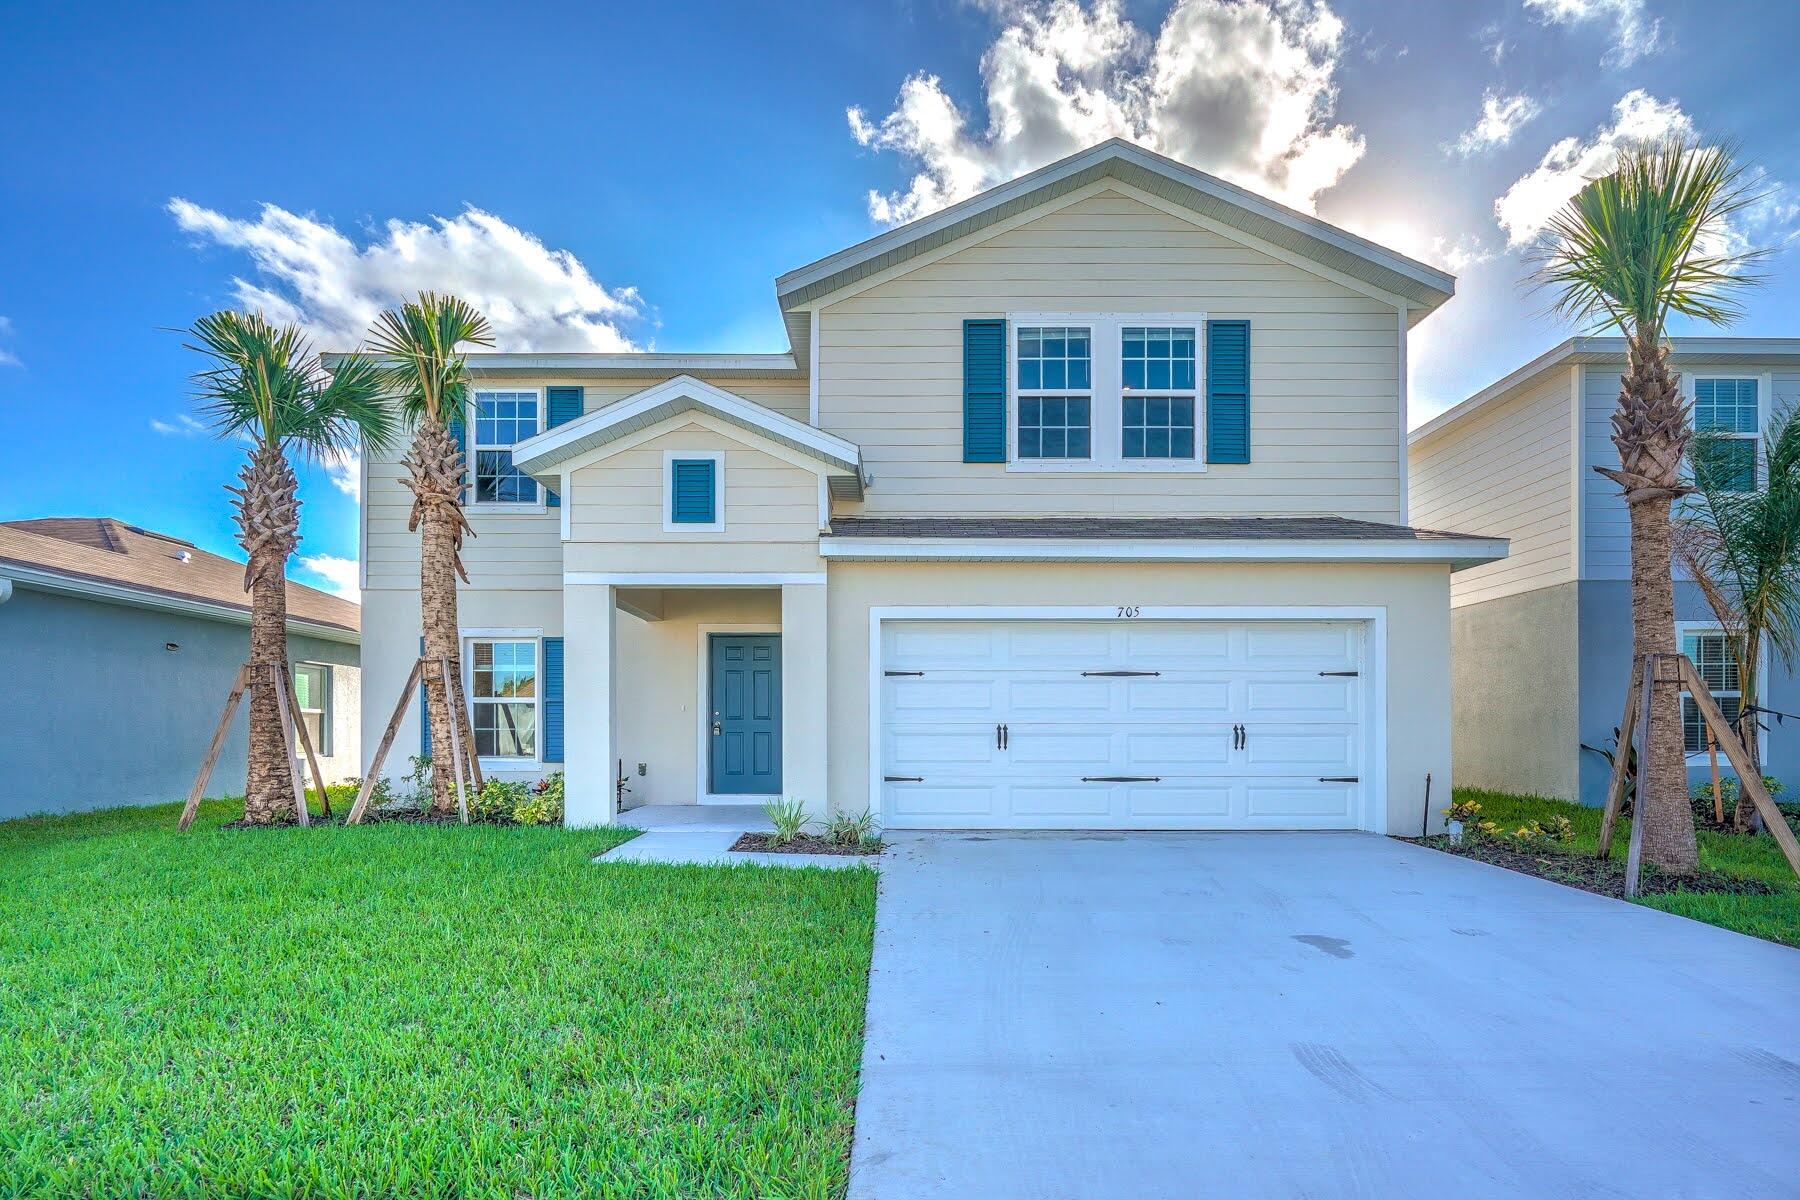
{"type": "Point", "coordinates": [691, 834]}
{"type": "Point", "coordinates": [1307, 1015]}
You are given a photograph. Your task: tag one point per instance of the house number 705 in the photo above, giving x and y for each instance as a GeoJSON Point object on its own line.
{"type": "Point", "coordinates": [1129, 610]}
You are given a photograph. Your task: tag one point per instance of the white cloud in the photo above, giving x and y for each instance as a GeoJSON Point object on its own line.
{"type": "Point", "coordinates": [1493, 42]}
{"type": "Point", "coordinates": [345, 473]}
{"type": "Point", "coordinates": [1244, 90]}
{"type": "Point", "coordinates": [1501, 117]}
{"type": "Point", "coordinates": [7, 357]}
{"type": "Point", "coordinates": [309, 273]}
{"type": "Point", "coordinates": [1635, 33]}
{"type": "Point", "coordinates": [1527, 206]}
{"type": "Point", "coordinates": [338, 574]}
{"type": "Point", "coordinates": [182, 426]}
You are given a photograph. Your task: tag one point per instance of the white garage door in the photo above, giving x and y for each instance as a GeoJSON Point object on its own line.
{"type": "Point", "coordinates": [1127, 724]}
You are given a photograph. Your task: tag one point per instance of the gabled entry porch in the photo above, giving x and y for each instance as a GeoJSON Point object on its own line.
{"type": "Point", "coordinates": [693, 689]}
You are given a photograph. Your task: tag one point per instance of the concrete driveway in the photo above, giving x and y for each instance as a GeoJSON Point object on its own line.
{"type": "Point", "coordinates": [1317, 1015]}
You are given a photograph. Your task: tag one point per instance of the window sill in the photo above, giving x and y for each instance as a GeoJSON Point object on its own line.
{"type": "Point", "coordinates": [507, 508]}
{"type": "Point", "coordinates": [1121, 467]}
{"type": "Point", "coordinates": [511, 764]}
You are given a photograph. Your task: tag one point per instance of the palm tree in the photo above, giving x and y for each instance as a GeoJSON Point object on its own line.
{"type": "Point", "coordinates": [266, 387]}
{"type": "Point", "coordinates": [427, 376]}
{"type": "Point", "coordinates": [1741, 545]}
{"type": "Point", "coordinates": [1626, 252]}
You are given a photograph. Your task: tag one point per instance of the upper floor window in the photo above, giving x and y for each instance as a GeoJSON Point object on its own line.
{"type": "Point", "coordinates": [503, 419]}
{"type": "Point", "coordinates": [1729, 411]}
{"type": "Point", "coordinates": [1106, 391]}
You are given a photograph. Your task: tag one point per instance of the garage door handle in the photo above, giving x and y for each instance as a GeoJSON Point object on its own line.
{"type": "Point", "coordinates": [1121, 674]}
{"type": "Point", "coordinates": [903, 779]}
{"type": "Point", "coordinates": [1339, 779]}
{"type": "Point", "coordinates": [1121, 779]}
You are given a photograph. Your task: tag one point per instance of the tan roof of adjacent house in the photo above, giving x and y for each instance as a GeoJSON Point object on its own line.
{"type": "Point", "coordinates": [107, 553]}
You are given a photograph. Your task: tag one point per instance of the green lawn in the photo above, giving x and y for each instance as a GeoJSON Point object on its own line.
{"type": "Point", "coordinates": [1774, 917]}
{"type": "Point", "coordinates": [417, 1011]}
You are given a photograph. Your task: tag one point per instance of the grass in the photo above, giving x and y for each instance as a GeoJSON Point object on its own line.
{"type": "Point", "coordinates": [1775, 917]}
{"type": "Point", "coordinates": [401, 1010]}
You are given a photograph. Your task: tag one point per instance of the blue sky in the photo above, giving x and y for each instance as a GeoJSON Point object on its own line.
{"type": "Point", "coordinates": [608, 175]}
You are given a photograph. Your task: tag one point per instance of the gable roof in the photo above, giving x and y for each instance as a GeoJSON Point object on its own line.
{"type": "Point", "coordinates": [544, 454]}
{"type": "Point", "coordinates": [104, 558]}
{"type": "Point", "coordinates": [1685, 352]}
{"type": "Point", "coordinates": [1421, 285]}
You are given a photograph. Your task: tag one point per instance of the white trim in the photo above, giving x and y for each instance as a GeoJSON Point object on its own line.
{"type": "Point", "coordinates": [362, 519]}
{"type": "Point", "coordinates": [1106, 394]}
{"type": "Point", "coordinates": [669, 523]}
{"type": "Point", "coordinates": [1577, 471]}
{"type": "Point", "coordinates": [690, 578]}
{"type": "Point", "coordinates": [891, 242]}
{"type": "Point", "coordinates": [554, 446]}
{"type": "Point", "coordinates": [812, 374]}
{"type": "Point", "coordinates": [1373, 799]}
{"type": "Point", "coordinates": [1402, 391]}
{"type": "Point", "coordinates": [42, 580]}
{"type": "Point", "coordinates": [1456, 551]}
{"type": "Point", "coordinates": [472, 446]}
{"type": "Point", "coordinates": [484, 364]}
{"type": "Point", "coordinates": [565, 507]}
{"type": "Point", "coordinates": [703, 732]}
{"type": "Point", "coordinates": [536, 637]}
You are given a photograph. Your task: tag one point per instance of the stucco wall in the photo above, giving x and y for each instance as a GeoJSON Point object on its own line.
{"type": "Point", "coordinates": [1416, 599]}
{"type": "Point", "coordinates": [1515, 685]}
{"type": "Point", "coordinates": [97, 712]}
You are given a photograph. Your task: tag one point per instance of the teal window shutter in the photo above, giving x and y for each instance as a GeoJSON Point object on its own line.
{"type": "Point", "coordinates": [553, 700]}
{"type": "Point", "coordinates": [1228, 391]}
{"type": "Point", "coordinates": [561, 405]}
{"type": "Point", "coordinates": [693, 492]}
{"type": "Point", "coordinates": [424, 710]}
{"type": "Point", "coordinates": [984, 391]}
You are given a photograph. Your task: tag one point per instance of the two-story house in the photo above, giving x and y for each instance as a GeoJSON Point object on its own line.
{"type": "Point", "coordinates": [1081, 504]}
{"type": "Point", "coordinates": [1542, 640]}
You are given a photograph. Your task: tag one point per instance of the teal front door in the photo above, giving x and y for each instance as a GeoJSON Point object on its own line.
{"type": "Point", "coordinates": [745, 754]}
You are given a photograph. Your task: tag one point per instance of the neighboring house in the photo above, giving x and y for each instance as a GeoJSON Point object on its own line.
{"type": "Point", "coordinates": [119, 645]}
{"type": "Point", "coordinates": [1079, 504]}
{"type": "Point", "coordinates": [1542, 641]}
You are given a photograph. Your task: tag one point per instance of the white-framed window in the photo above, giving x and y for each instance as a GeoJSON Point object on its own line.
{"type": "Point", "coordinates": [1728, 408]}
{"type": "Point", "coordinates": [500, 419]}
{"type": "Point", "coordinates": [1716, 660]}
{"type": "Point", "coordinates": [1106, 391]}
{"type": "Point", "coordinates": [504, 697]}
{"type": "Point", "coordinates": [693, 498]}
{"type": "Point", "coordinates": [312, 689]}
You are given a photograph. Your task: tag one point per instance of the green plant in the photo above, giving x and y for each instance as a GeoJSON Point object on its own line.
{"type": "Point", "coordinates": [545, 804]}
{"type": "Point", "coordinates": [1644, 242]}
{"type": "Point", "coordinates": [1542, 832]}
{"type": "Point", "coordinates": [851, 829]}
{"type": "Point", "coordinates": [498, 801]}
{"type": "Point", "coordinates": [415, 784]}
{"type": "Point", "coordinates": [1701, 795]}
{"type": "Point", "coordinates": [1464, 810]}
{"type": "Point", "coordinates": [263, 388]}
{"type": "Point", "coordinates": [789, 818]}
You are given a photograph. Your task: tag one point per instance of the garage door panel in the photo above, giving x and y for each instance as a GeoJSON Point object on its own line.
{"type": "Point", "coordinates": [1088, 750]}
{"type": "Point", "coordinates": [944, 698]}
{"type": "Point", "coordinates": [932, 749]}
{"type": "Point", "coordinates": [1210, 803]}
{"type": "Point", "coordinates": [1054, 698]}
{"type": "Point", "coordinates": [910, 644]}
{"type": "Point", "coordinates": [1202, 749]}
{"type": "Point", "coordinates": [1162, 696]}
{"type": "Point", "coordinates": [962, 805]}
{"type": "Point", "coordinates": [1036, 800]}
{"type": "Point", "coordinates": [1298, 699]}
{"type": "Point", "coordinates": [1276, 801]}
{"type": "Point", "coordinates": [1300, 644]}
{"type": "Point", "coordinates": [1173, 647]}
{"type": "Point", "coordinates": [1289, 751]}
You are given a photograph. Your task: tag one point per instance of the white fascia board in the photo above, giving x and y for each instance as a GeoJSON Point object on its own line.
{"type": "Point", "coordinates": [1458, 552]}
{"type": "Point", "coordinates": [635, 364]}
{"type": "Point", "coordinates": [130, 597]}
{"type": "Point", "coordinates": [540, 454]}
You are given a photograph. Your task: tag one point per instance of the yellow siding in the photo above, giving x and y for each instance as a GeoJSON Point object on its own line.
{"type": "Point", "coordinates": [1325, 408]}
{"type": "Point", "coordinates": [1505, 470]}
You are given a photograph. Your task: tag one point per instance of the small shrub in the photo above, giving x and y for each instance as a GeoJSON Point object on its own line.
{"type": "Point", "coordinates": [1701, 797]}
{"type": "Point", "coordinates": [789, 818]}
{"type": "Point", "coordinates": [1543, 833]}
{"type": "Point", "coordinates": [1466, 811]}
{"type": "Point", "coordinates": [498, 801]}
{"type": "Point", "coordinates": [851, 829]}
{"type": "Point", "coordinates": [415, 785]}
{"type": "Point", "coordinates": [342, 795]}
{"type": "Point", "coordinates": [544, 806]}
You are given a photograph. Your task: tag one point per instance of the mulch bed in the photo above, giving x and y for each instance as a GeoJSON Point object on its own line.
{"type": "Point", "coordinates": [806, 843]}
{"type": "Point", "coordinates": [406, 816]}
{"type": "Point", "coordinates": [1602, 876]}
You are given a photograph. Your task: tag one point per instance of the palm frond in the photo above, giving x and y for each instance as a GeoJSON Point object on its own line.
{"type": "Point", "coordinates": [422, 369]}
{"type": "Point", "coordinates": [1650, 239]}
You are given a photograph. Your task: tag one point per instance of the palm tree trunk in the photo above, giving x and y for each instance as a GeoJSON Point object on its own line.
{"type": "Point", "coordinates": [1650, 429]}
{"type": "Point", "coordinates": [436, 470]}
{"type": "Point", "coordinates": [268, 517]}
{"type": "Point", "coordinates": [1744, 817]}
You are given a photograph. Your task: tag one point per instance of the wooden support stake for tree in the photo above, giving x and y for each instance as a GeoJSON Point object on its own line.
{"type": "Point", "coordinates": [456, 747]}
{"type": "Point", "coordinates": [278, 680]}
{"type": "Point", "coordinates": [1712, 759]}
{"type": "Point", "coordinates": [1615, 790]}
{"type": "Point", "coordinates": [387, 741]}
{"type": "Point", "coordinates": [1634, 855]}
{"type": "Point", "coordinates": [239, 683]}
{"type": "Point", "coordinates": [1749, 780]}
{"type": "Point", "coordinates": [307, 745]}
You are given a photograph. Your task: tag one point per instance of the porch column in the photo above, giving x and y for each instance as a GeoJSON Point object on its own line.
{"type": "Point", "coordinates": [803, 707]}
{"type": "Point", "coordinates": [590, 621]}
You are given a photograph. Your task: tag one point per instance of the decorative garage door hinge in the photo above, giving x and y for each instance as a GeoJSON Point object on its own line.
{"type": "Point", "coordinates": [1339, 779]}
{"type": "Point", "coordinates": [1121, 674]}
{"type": "Point", "coordinates": [903, 779]}
{"type": "Point", "coordinates": [1121, 779]}
{"type": "Point", "coordinates": [1347, 674]}
{"type": "Point", "coordinates": [891, 674]}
